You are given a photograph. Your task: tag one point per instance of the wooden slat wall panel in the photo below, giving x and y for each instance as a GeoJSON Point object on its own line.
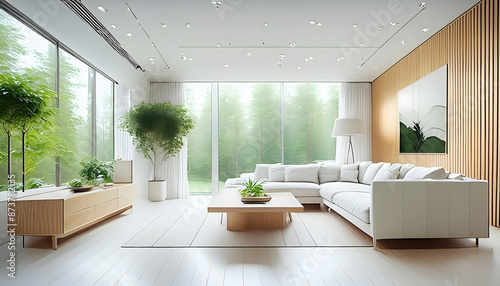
{"type": "Point", "coordinates": [470, 47]}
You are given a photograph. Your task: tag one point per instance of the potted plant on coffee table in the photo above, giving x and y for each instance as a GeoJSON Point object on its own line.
{"type": "Point", "coordinates": [157, 131]}
{"type": "Point", "coordinates": [254, 192]}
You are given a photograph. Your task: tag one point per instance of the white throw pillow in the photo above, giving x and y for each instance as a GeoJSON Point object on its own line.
{"type": "Point", "coordinates": [437, 173]}
{"type": "Point", "coordinates": [390, 173]}
{"type": "Point", "coordinates": [302, 173]}
{"type": "Point", "coordinates": [329, 173]}
{"type": "Point", "coordinates": [404, 169]}
{"type": "Point", "coordinates": [363, 166]}
{"type": "Point", "coordinates": [349, 173]}
{"type": "Point", "coordinates": [276, 174]}
{"type": "Point", "coordinates": [262, 171]}
{"type": "Point", "coordinates": [371, 172]}
{"type": "Point", "coordinates": [455, 176]}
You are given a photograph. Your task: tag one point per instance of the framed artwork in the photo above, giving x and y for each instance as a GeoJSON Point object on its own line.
{"type": "Point", "coordinates": [423, 114]}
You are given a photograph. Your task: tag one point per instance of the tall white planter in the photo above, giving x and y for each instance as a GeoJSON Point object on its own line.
{"type": "Point", "coordinates": [157, 190]}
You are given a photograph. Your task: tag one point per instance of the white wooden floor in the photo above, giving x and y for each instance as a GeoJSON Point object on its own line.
{"type": "Point", "coordinates": [186, 223]}
{"type": "Point", "coordinates": [95, 257]}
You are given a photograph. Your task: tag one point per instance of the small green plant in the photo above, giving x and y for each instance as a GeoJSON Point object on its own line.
{"type": "Point", "coordinates": [95, 171]}
{"type": "Point", "coordinates": [253, 189]}
{"type": "Point", "coordinates": [75, 183]}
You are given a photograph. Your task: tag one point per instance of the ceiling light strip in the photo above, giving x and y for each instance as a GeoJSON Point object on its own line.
{"type": "Point", "coordinates": [411, 19]}
{"type": "Point", "coordinates": [147, 35]}
{"type": "Point", "coordinates": [81, 11]}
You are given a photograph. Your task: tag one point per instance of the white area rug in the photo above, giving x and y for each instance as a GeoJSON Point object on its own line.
{"type": "Point", "coordinates": [186, 223]}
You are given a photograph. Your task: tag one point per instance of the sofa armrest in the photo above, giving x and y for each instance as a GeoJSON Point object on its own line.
{"type": "Point", "coordinates": [429, 209]}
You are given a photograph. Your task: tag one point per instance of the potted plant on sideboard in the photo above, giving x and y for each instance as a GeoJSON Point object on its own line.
{"type": "Point", "coordinates": [157, 131]}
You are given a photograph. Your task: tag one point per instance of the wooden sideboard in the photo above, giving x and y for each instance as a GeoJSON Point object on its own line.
{"type": "Point", "coordinates": [62, 213]}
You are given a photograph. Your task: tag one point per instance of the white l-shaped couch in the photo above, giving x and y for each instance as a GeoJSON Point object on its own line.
{"type": "Point", "coordinates": [386, 201]}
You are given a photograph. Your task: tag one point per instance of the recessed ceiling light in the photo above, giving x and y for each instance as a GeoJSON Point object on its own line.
{"type": "Point", "coordinates": [102, 9]}
{"type": "Point", "coordinates": [163, 25]}
{"type": "Point", "coordinates": [292, 44]}
{"type": "Point", "coordinates": [226, 65]}
{"type": "Point", "coordinates": [421, 4]}
{"type": "Point", "coordinates": [188, 25]}
{"type": "Point", "coordinates": [151, 59]}
{"type": "Point", "coordinates": [128, 8]}
{"type": "Point", "coordinates": [393, 23]}
{"type": "Point", "coordinates": [223, 74]}
{"type": "Point", "coordinates": [307, 59]}
{"type": "Point", "coordinates": [375, 67]}
{"type": "Point", "coordinates": [249, 54]}
{"type": "Point", "coordinates": [182, 54]}
{"type": "Point", "coordinates": [266, 24]}
{"type": "Point", "coordinates": [218, 45]}
{"type": "Point", "coordinates": [318, 24]}
{"type": "Point", "coordinates": [403, 42]}
{"type": "Point", "coordinates": [113, 26]}
{"type": "Point", "coordinates": [311, 58]}
{"type": "Point", "coordinates": [152, 63]}
{"type": "Point", "coordinates": [354, 26]}
{"type": "Point", "coordinates": [190, 59]}
{"type": "Point", "coordinates": [129, 34]}
{"type": "Point", "coordinates": [264, 43]}
{"type": "Point", "coordinates": [425, 30]}
{"type": "Point", "coordinates": [361, 44]}
{"type": "Point", "coordinates": [312, 22]}
{"type": "Point", "coordinates": [340, 59]}
{"type": "Point", "coordinates": [184, 57]}
{"type": "Point", "coordinates": [299, 68]}
{"type": "Point", "coordinates": [282, 55]}
{"type": "Point", "coordinates": [359, 66]}
{"type": "Point", "coordinates": [380, 28]}
{"type": "Point", "coordinates": [217, 3]}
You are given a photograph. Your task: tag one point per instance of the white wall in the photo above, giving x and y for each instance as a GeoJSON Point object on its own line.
{"type": "Point", "coordinates": [69, 29]}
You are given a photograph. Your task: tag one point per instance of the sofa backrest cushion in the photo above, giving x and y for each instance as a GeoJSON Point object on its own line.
{"type": "Point", "coordinates": [349, 173]}
{"type": "Point", "coordinates": [363, 166]}
{"type": "Point", "coordinates": [329, 173]}
{"type": "Point", "coordinates": [437, 173]}
{"type": "Point", "coordinates": [371, 172]}
{"type": "Point", "coordinates": [388, 172]}
{"type": "Point", "coordinates": [262, 171]}
{"type": "Point", "coordinates": [276, 174]}
{"type": "Point", "coordinates": [404, 169]}
{"type": "Point", "coordinates": [302, 173]}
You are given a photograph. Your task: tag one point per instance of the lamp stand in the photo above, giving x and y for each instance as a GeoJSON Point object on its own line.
{"type": "Point", "coordinates": [350, 150]}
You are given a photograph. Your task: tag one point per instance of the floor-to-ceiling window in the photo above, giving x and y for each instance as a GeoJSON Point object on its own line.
{"type": "Point", "coordinates": [258, 122]}
{"type": "Point", "coordinates": [83, 111]}
{"type": "Point", "coordinates": [199, 141]}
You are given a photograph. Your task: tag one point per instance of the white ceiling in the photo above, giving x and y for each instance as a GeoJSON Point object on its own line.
{"type": "Point", "coordinates": [224, 35]}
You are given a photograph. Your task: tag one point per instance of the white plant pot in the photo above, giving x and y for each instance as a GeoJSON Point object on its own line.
{"type": "Point", "coordinates": [157, 190]}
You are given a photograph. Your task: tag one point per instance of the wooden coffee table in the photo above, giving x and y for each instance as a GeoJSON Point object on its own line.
{"type": "Point", "coordinates": [240, 216]}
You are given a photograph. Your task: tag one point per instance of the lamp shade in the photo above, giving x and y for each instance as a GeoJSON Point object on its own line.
{"type": "Point", "coordinates": [348, 127]}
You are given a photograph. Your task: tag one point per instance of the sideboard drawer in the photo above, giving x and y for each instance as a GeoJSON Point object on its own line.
{"type": "Point", "coordinates": [86, 200]}
{"type": "Point", "coordinates": [79, 218]}
{"type": "Point", "coordinates": [106, 208]}
{"type": "Point", "coordinates": [126, 200]}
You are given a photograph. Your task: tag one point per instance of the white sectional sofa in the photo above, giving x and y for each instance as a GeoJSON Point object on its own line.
{"type": "Point", "coordinates": [386, 201]}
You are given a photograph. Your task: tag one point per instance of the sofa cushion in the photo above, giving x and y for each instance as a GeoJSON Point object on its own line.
{"type": "Point", "coordinates": [302, 173]}
{"type": "Point", "coordinates": [276, 174]}
{"type": "Point", "coordinates": [371, 172]}
{"type": "Point", "coordinates": [437, 173]}
{"type": "Point", "coordinates": [329, 190]}
{"type": "Point", "coordinates": [262, 171]}
{"type": "Point", "coordinates": [349, 173]}
{"type": "Point", "coordinates": [363, 166]}
{"type": "Point", "coordinates": [298, 189]}
{"type": "Point", "coordinates": [356, 203]}
{"type": "Point", "coordinates": [404, 169]}
{"type": "Point", "coordinates": [329, 173]}
{"type": "Point", "coordinates": [389, 172]}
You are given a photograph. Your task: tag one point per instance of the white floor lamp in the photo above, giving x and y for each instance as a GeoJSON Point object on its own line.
{"type": "Point", "coordinates": [348, 127]}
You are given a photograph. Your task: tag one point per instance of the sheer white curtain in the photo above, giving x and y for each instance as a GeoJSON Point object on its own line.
{"type": "Point", "coordinates": [355, 102]}
{"type": "Point", "coordinates": [175, 168]}
{"type": "Point", "coordinates": [124, 149]}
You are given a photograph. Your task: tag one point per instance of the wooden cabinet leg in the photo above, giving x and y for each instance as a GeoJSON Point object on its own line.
{"type": "Point", "coordinates": [54, 242]}
{"type": "Point", "coordinates": [290, 216]}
